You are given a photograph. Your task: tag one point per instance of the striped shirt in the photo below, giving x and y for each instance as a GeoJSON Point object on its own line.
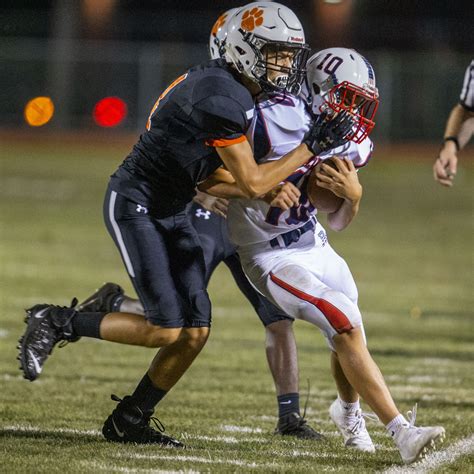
{"type": "Point", "coordinates": [467, 94]}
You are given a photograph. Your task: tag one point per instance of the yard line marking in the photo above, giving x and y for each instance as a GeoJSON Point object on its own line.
{"type": "Point", "coordinates": [52, 431]}
{"type": "Point", "coordinates": [241, 429]}
{"type": "Point", "coordinates": [226, 439]}
{"type": "Point", "coordinates": [180, 457]}
{"type": "Point", "coordinates": [223, 439]}
{"type": "Point", "coordinates": [437, 458]}
{"type": "Point", "coordinates": [112, 468]}
{"type": "Point", "coordinates": [49, 431]}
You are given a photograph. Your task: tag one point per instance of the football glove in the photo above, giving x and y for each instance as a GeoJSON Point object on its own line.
{"type": "Point", "coordinates": [326, 134]}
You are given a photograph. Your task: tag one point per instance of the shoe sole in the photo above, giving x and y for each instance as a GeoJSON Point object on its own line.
{"type": "Point", "coordinates": [429, 447]}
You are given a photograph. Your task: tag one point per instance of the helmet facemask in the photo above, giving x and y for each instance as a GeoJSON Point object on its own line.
{"type": "Point", "coordinates": [279, 66]}
{"type": "Point", "coordinates": [360, 103]}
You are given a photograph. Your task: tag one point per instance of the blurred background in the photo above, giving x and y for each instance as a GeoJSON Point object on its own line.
{"type": "Point", "coordinates": [78, 52]}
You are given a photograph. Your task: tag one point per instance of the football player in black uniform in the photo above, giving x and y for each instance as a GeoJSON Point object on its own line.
{"type": "Point", "coordinates": [197, 125]}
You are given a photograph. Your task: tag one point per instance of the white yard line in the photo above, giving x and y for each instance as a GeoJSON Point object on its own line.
{"type": "Point", "coordinates": [437, 458]}
{"type": "Point", "coordinates": [240, 429]}
{"type": "Point", "coordinates": [38, 430]}
{"type": "Point", "coordinates": [97, 466]}
{"type": "Point", "coordinates": [198, 459]}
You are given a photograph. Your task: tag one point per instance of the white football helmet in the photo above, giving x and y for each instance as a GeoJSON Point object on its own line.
{"type": "Point", "coordinates": [219, 34]}
{"type": "Point", "coordinates": [266, 43]}
{"type": "Point", "coordinates": [340, 79]}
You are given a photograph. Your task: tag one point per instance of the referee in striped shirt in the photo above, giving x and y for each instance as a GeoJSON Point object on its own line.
{"type": "Point", "coordinates": [459, 129]}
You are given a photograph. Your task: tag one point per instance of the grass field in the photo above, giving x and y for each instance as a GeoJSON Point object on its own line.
{"type": "Point", "coordinates": [410, 250]}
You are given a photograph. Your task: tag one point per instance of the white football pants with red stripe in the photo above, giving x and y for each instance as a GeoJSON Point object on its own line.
{"type": "Point", "coordinates": [308, 281]}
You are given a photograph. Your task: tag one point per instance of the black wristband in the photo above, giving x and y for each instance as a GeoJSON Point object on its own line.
{"type": "Point", "coordinates": [454, 140]}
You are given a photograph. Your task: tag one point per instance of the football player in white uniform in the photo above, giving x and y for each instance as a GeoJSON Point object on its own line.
{"type": "Point", "coordinates": [458, 131]}
{"type": "Point", "coordinates": [286, 254]}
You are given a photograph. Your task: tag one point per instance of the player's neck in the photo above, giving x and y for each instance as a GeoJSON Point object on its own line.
{"type": "Point", "coordinates": [253, 87]}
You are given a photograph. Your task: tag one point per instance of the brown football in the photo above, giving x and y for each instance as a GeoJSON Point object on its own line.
{"type": "Point", "coordinates": [322, 199]}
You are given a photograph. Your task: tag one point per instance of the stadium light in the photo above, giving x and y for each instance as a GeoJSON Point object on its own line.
{"type": "Point", "coordinates": [39, 111]}
{"type": "Point", "coordinates": [109, 112]}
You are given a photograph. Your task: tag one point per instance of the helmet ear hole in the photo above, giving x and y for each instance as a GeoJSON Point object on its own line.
{"type": "Point", "coordinates": [316, 89]}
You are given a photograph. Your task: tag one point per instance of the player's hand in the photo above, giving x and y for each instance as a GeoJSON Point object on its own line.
{"type": "Point", "coordinates": [328, 132]}
{"type": "Point", "coordinates": [343, 182]}
{"type": "Point", "coordinates": [445, 167]}
{"type": "Point", "coordinates": [284, 196]}
{"type": "Point", "coordinates": [214, 204]}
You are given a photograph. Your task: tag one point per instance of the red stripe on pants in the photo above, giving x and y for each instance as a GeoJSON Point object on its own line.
{"type": "Point", "coordinates": [336, 318]}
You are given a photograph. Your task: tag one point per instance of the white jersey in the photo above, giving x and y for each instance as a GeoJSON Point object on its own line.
{"type": "Point", "coordinates": [278, 127]}
{"type": "Point", "coordinates": [467, 94]}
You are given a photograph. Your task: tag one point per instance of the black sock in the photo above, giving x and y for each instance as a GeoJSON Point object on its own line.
{"type": "Point", "coordinates": [88, 324]}
{"type": "Point", "coordinates": [146, 396]}
{"type": "Point", "coordinates": [288, 403]}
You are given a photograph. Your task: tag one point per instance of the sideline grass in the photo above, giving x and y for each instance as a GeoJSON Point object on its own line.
{"type": "Point", "coordinates": [410, 251]}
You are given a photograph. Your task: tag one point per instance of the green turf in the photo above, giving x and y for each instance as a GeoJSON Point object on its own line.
{"type": "Point", "coordinates": [410, 251]}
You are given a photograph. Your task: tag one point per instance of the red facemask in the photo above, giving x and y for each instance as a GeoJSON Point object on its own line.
{"type": "Point", "coordinates": [359, 103]}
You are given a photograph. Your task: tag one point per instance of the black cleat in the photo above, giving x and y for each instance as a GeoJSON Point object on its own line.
{"type": "Point", "coordinates": [46, 325]}
{"type": "Point", "coordinates": [295, 425]}
{"type": "Point", "coordinates": [129, 424]}
{"type": "Point", "coordinates": [105, 299]}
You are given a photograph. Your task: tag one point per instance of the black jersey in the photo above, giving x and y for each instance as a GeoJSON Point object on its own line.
{"type": "Point", "coordinates": [205, 107]}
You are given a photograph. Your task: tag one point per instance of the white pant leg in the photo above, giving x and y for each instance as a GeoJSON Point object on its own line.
{"type": "Point", "coordinates": [313, 284]}
{"type": "Point", "coordinates": [338, 276]}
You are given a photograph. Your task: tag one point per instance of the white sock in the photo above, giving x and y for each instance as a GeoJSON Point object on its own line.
{"type": "Point", "coordinates": [349, 408]}
{"type": "Point", "coordinates": [394, 426]}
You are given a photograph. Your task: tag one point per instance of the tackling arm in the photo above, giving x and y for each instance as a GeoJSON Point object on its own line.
{"type": "Point", "coordinates": [222, 184]}
{"type": "Point", "coordinates": [256, 180]}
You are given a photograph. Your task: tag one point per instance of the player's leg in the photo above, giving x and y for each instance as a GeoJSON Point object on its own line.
{"type": "Point", "coordinates": [174, 256]}
{"type": "Point", "coordinates": [141, 242]}
{"type": "Point", "coordinates": [303, 295]}
{"type": "Point", "coordinates": [189, 276]}
{"type": "Point", "coordinates": [282, 355]}
{"type": "Point", "coordinates": [280, 342]}
{"type": "Point", "coordinates": [345, 411]}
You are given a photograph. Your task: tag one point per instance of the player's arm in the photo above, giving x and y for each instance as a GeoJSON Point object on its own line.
{"type": "Point", "coordinates": [445, 167]}
{"type": "Point", "coordinates": [228, 121]}
{"type": "Point", "coordinates": [256, 180]}
{"type": "Point", "coordinates": [222, 184]}
{"type": "Point", "coordinates": [344, 182]}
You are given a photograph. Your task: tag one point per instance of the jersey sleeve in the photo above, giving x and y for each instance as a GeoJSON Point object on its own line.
{"type": "Point", "coordinates": [222, 109]}
{"type": "Point", "coordinates": [224, 120]}
{"type": "Point", "coordinates": [466, 98]}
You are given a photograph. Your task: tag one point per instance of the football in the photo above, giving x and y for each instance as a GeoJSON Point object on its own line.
{"type": "Point", "coordinates": [322, 199]}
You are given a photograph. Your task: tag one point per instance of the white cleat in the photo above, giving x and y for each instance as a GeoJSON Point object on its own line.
{"type": "Point", "coordinates": [352, 427]}
{"type": "Point", "coordinates": [415, 442]}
